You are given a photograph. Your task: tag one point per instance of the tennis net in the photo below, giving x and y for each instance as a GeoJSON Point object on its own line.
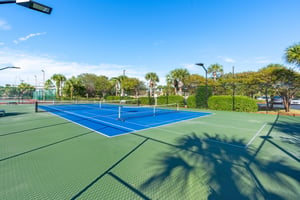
{"type": "Point", "coordinates": [127, 112]}
{"type": "Point", "coordinates": [60, 106]}
{"type": "Point", "coordinates": [114, 104]}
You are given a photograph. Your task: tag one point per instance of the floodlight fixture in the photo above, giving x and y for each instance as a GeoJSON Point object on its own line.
{"type": "Point", "coordinates": [202, 65]}
{"type": "Point", "coordinates": [35, 6]}
{"type": "Point", "coordinates": [31, 4]}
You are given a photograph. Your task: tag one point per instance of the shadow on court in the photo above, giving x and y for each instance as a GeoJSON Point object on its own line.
{"type": "Point", "coordinates": [224, 168]}
{"type": "Point", "coordinates": [44, 146]}
{"type": "Point", "coordinates": [10, 114]}
{"type": "Point", "coordinates": [291, 132]}
{"type": "Point", "coordinates": [35, 128]}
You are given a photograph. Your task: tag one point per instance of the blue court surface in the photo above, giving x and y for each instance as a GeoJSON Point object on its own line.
{"type": "Point", "coordinates": [115, 120]}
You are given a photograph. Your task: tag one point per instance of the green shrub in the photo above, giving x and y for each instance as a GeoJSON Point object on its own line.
{"type": "Point", "coordinates": [144, 100]}
{"type": "Point", "coordinates": [199, 100]}
{"type": "Point", "coordinates": [191, 102]}
{"type": "Point", "coordinates": [109, 98]}
{"type": "Point", "coordinates": [162, 100]}
{"type": "Point", "coordinates": [171, 99]}
{"type": "Point", "coordinates": [241, 103]}
{"type": "Point", "coordinates": [201, 96]}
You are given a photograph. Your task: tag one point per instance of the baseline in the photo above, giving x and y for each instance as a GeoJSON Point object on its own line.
{"type": "Point", "coordinates": [256, 134]}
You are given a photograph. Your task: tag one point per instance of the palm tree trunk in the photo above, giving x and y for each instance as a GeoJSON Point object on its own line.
{"type": "Point", "coordinates": [116, 86]}
{"type": "Point", "coordinates": [150, 91]}
{"type": "Point", "coordinates": [215, 76]}
{"type": "Point", "coordinates": [57, 89]}
{"type": "Point", "coordinates": [180, 91]}
{"type": "Point", "coordinates": [60, 88]}
{"type": "Point", "coordinates": [72, 92]}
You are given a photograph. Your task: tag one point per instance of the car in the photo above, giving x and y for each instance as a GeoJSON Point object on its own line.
{"type": "Point", "coordinates": [277, 99]}
{"type": "Point", "coordinates": [295, 101]}
{"type": "Point", "coordinates": [263, 98]}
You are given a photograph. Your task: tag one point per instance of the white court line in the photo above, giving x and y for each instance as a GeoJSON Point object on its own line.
{"type": "Point", "coordinates": [225, 143]}
{"type": "Point", "coordinates": [256, 134]}
{"type": "Point", "coordinates": [120, 126]}
{"type": "Point", "coordinates": [147, 127]}
{"type": "Point", "coordinates": [93, 119]}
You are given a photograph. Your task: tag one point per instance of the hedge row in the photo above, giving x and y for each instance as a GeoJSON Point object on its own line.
{"type": "Point", "coordinates": [110, 98]}
{"type": "Point", "coordinates": [191, 102]}
{"type": "Point", "coordinates": [151, 101]}
{"type": "Point", "coordinates": [241, 103]}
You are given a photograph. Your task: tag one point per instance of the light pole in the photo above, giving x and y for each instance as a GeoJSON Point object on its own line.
{"type": "Point", "coordinates": [10, 67]}
{"type": "Point", "coordinates": [121, 84]}
{"type": "Point", "coordinates": [43, 85]}
{"type": "Point", "coordinates": [233, 90]}
{"type": "Point", "coordinates": [206, 89]}
{"type": "Point", "coordinates": [31, 4]}
{"type": "Point", "coordinates": [35, 79]}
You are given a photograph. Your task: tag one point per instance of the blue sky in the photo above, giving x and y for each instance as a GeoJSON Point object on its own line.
{"type": "Point", "coordinates": [108, 36]}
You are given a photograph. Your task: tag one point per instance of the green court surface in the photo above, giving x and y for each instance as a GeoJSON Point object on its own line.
{"type": "Point", "coordinates": [227, 155]}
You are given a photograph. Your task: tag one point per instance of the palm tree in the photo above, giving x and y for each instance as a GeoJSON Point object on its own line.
{"type": "Point", "coordinates": [116, 82]}
{"type": "Point", "coordinates": [292, 54]}
{"type": "Point", "coordinates": [216, 70]}
{"type": "Point", "coordinates": [48, 84]}
{"type": "Point", "coordinates": [59, 80]}
{"type": "Point", "coordinates": [169, 81]}
{"type": "Point", "coordinates": [179, 77]}
{"type": "Point", "coordinates": [153, 79]}
{"type": "Point", "coordinates": [72, 86]}
{"type": "Point", "coordinates": [25, 89]}
{"type": "Point", "coordinates": [122, 80]}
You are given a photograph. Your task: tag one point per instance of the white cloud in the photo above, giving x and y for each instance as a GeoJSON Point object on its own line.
{"type": "Point", "coordinates": [28, 37]}
{"type": "Point", "coordinates": [227, 59]}
{"type": "Point", "coordinates": [1, 43]}
{"type": "Point", "coordinates": [4, 25]}
{"type": "Point", "coordinates": [31, 66]}
{"type": "Point", "coordinates": [262, 60]}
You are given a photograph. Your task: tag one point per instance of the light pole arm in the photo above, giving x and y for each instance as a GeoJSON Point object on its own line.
{"type": "Point", "coordinates": [12, 67]}
{"type": "Point", "coordinates": [4, 2]}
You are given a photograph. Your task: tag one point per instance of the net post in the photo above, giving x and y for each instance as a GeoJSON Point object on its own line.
{"type": "Point", "coordinates": [119, 112]}
{"type": "Point", "coordinates": [36, 106]}
{"type": "Point", "coordinates": [177, 106]}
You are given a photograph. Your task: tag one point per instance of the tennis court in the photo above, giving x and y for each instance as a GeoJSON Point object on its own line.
{"type": "Point", "coordinates": [118, 118]}
{"type": "Point", "coordinates": [227, 155]}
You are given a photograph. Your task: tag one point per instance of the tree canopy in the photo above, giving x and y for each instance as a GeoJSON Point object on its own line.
{"type": "Point", "coordinates": [292, 54]}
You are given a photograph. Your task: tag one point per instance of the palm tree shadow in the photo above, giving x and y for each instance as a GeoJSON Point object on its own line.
{"type": "Point", "coordinates": [9, 114]}
{"type": "Point", "coordinates": [221, 166]}
{"type": "Point", "coordinates": [291, 132]}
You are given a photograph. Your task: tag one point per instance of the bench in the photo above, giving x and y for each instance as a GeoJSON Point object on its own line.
{"type": "Point", "coordinates": [2, 112]}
